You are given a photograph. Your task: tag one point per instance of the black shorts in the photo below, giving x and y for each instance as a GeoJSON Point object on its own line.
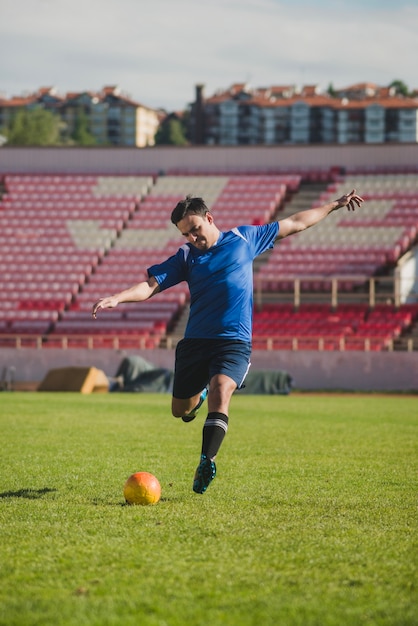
{"type": "Point", "coordinates": [198, 360]}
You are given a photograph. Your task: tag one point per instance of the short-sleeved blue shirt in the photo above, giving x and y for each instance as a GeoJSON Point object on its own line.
{"type": "Point", "coordinates": [220, 281]}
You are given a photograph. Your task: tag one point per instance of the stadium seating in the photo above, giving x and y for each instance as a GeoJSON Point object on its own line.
{"type": "Point", "coordinates": [66, 241]}
{"type": "Point", "coordinates": [353, 245]}
{"type": "Point", "coordinates": [319, 327]}
{"type": "Point", "coordinates": [149, 238]}
{"type": "Point", "coordinates": [250, 200]}
{"type": "Point", "coordinates": [54, 231]}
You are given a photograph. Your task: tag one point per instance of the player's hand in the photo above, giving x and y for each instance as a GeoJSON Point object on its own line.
{"type": "Point", "coordinates": [104, 303]}
{"type": "Point", "coordinates": [350, 200]}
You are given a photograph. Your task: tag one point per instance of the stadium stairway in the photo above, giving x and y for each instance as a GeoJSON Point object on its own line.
{"type": "Point", "coordinates": [354, 247]}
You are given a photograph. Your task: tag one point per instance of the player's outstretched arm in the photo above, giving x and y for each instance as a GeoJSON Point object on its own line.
{"type": "Point", "coordinates": [137, 293]}
{"type": "Point", "coordinates": [305, 219]}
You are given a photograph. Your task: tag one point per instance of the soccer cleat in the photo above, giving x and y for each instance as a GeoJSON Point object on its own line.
{"type": "Point", "coordinates": [190, 416]}
{"type": "Point", "coordinates": [205, 473]}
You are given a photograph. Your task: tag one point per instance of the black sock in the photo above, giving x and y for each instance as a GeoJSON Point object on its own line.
{"type": "Point", "coordinates": [214, 431]}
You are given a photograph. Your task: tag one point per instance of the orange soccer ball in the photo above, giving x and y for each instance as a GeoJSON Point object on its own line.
{"type": "Point", "coordinates": [142, 488]}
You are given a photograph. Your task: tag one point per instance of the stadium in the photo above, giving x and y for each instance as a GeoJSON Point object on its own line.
{"type": "Point", "coordinates": [77, 224]}
{"type": "Point", "coordinates": [312, 518]}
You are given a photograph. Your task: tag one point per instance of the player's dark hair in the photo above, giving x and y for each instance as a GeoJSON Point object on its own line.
{"type": "Point", "coordinates": [195, 206]}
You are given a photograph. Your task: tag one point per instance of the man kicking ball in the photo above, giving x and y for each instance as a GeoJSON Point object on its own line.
{"type": "Point", "coordinates": [214, 357]}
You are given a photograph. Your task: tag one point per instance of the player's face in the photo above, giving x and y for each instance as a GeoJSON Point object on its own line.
{"type": "Point", "coordinates": [199, 230]}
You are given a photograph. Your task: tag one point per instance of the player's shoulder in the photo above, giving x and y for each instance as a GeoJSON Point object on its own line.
{"type": "Point", "coordinates": [244, 231]}
{"type": "Point", "coordinates": [253, 231]}
{"type": "Point", "coordinates": [184, 251]}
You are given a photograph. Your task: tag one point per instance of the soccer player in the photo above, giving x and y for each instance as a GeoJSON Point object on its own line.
{"type": "Point", "coordinates": [213, 358]}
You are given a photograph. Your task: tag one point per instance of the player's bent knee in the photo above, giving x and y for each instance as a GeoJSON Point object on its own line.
{"type": "Point", "coordinates": [223, 386]}
{"type": "Point", "coordinates": [179, 408]}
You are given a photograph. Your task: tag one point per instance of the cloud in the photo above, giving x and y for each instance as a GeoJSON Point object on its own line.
{"type": "Point", "coordinates": [157, 51]}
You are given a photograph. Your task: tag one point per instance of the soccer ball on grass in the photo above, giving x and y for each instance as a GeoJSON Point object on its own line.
{"type": "Point", "coordinates": [142, 488]}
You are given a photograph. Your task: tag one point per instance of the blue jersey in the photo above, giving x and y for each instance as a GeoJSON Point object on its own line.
{"type": "Point", "coordinates": [220, 281]}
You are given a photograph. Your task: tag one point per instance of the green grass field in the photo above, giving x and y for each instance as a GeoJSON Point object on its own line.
{"type": "Point", "coordinates": [311, 520]}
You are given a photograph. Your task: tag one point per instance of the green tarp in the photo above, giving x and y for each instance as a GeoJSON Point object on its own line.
{"type": "Point", "coordinates": [136, 374]}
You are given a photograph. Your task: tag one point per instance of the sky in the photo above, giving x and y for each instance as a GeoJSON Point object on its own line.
{"type": "Point", "coordinates": [156, 51]}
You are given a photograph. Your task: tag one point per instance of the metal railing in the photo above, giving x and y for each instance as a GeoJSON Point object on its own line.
{"type": "Point", "coordinates": [333, 289]}
{"type": "Point", "coordinates": [354, 289]}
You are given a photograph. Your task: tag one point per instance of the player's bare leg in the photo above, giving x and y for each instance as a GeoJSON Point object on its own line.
{"type": "Point", "coordinates": [187, 409]}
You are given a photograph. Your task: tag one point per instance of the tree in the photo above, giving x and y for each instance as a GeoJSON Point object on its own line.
{"type": "Point", "coordinates": [331, 91]}
{"type": "Point", "coordinates": [171, 133]}
{"type": "Point", "coordinates": [81, 134]}
{"type": "Point", "coordinates": [400, 87]}
{"type": "Point", "coordinates": [33, 127]}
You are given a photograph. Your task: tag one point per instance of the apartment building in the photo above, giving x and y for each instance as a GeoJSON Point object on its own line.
{"type": "Point", "coordinates": [363, 113]}
{"type": "Point", "coordinates": [112, 118]}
